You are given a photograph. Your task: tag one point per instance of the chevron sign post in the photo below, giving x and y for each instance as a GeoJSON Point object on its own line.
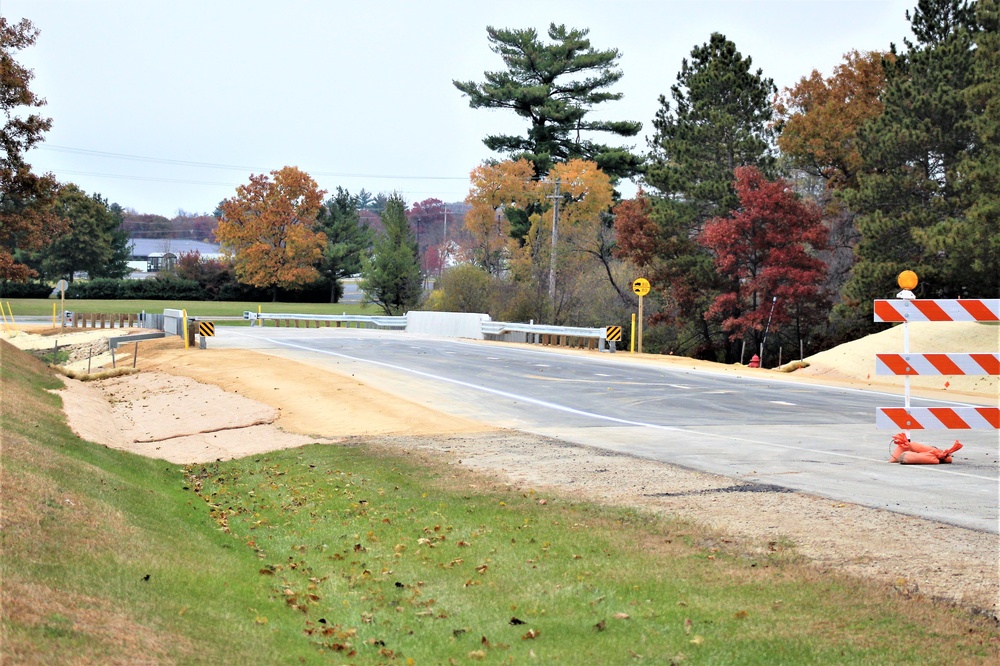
{"type": "Point", "coordinates": [906, 309]}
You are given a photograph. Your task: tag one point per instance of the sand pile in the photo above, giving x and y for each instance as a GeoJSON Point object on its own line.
{"type": "Point", "coordinates": [856, 360]}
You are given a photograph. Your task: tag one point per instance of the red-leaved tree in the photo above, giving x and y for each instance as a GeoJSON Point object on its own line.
{"type": "Point", "coordinates": [767, 251]}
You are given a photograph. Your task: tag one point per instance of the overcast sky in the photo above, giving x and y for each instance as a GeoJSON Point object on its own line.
{"type": "Point", "coordinates": [169, 105]}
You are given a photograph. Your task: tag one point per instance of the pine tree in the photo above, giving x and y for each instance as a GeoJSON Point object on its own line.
{"type": "Point", "coordinates": [347, 239]}
{"type": "Point", "coordinates": [390, 275]}
{"type": "Point", "coordinates": [913, 194]}
{"type": "Point", "coordinates": [554, 86]}
{"type": "Point", "coordinates": [977, 237]}
{"type": "Point", "coordinates": [719, 121]}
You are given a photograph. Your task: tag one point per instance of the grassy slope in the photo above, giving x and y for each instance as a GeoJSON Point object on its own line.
{"type": "Point", "coordinates": [348, 555]}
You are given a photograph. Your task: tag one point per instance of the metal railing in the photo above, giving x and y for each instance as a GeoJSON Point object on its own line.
{"type": "Point", "coordinates": [361, 321]}
{"type": "Point", "coordinates": [541, 334]}
{"type": "Point", "coordinates": [565, 336]}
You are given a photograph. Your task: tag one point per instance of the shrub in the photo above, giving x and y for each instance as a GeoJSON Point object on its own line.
{"type": "Point", "coordinates": [25, 289]}
{"type": "Point", "coordinates": [161, 287]}
{"type": "Point", "coordinates": [464, 288]}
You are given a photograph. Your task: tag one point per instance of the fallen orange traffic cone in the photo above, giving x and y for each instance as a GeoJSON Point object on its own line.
{"type": "Point", "coordinates": [915, 453]}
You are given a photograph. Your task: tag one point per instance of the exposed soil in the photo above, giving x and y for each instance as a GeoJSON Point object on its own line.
{"type": "Point", "coordinates": [188, 406]}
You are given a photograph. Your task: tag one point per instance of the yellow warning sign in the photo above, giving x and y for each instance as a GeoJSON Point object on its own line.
{"type": "Point", "coordinates": [613, 333]}
{"type": "Point", "coordinates": [206, 328]}
{"type": "Point", "coordinates": [640, 286]}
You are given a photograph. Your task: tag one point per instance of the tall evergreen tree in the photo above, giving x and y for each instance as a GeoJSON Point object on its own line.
{"type": "Point", "coordinates": [347, 239]}
{"type": "Point", "coordinates": [913, 193]}
{"type": "Point", "coordinates": [95, 242]}
{"type": "Point", "coordinates": [121, 244]}
{"type": "Point", "coordinates": [390, 275]}
{"type": "Point", "coordinates": [979, 235]}
{"type": "Point", "coordinates": [554, 86]}
{"type": "Point", "coordinates": [718, 120]}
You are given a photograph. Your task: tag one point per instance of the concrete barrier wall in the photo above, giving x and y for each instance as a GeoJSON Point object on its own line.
{"type": "Point", "coordinates": [173, 321]}
{"type": "Point", "coordinates": [448, 324]}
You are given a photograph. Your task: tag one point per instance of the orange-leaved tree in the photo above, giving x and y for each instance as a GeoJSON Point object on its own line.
{"type": "Point", "coordinates": [268, 229]}
{"type": "Point", "coordinates": [27, 218]}
{"type": "Point", "coordinates": [494, 189]}
{"type": "Point", "coordinates": [820, 117]}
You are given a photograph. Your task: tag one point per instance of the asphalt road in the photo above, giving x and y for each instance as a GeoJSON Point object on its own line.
{"type": "Point", "coordinates": [812, 438]}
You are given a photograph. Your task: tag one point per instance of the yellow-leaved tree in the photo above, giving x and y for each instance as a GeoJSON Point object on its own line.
{"type": "Point", "coordinates": [560, 255]}
{"type": "Point", "coordinates": [268, 229]}
{"type": "Point", "coordinates": [494, 189]}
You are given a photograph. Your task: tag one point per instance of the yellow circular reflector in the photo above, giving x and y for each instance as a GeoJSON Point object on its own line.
{"type": "Point", "coordinates": [907, 280]}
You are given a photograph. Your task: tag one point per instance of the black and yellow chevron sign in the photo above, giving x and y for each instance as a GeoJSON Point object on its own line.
{"type": "Point", "coordinates": [206, 328]}
{"type": "Point", "coordinates": [613, 333]}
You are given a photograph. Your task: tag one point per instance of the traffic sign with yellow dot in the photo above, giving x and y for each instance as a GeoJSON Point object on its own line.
{"type": "Point", "coordinates": [640, 286]}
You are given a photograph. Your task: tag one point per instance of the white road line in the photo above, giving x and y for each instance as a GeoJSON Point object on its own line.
{"type": "Point", "coordinates": [939, 469]}
{"type": "Point", "coordinates": [781, 402]}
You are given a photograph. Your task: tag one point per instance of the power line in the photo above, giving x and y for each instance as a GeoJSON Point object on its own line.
{"type": "Point", "coordinates": [230, 167]}
{"type": "Point", "coordinates": [144, 178]}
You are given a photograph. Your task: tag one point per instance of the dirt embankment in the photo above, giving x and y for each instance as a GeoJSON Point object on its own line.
{"type": "Point", "coordinates": [184, 409]}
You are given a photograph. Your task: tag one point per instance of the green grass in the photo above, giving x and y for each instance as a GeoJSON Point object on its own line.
{"type": "Point", "coordinates": [351, 554]}
{"type": "Point", "coordinates": [58, 358]}
{"type": "Point", "coordinates": [40, 307]}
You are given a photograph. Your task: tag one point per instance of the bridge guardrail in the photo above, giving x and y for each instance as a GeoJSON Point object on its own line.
{"type": "Point", "coordinates": [543, 334]}
{"type": "Point", "coordinates": [373, 320]}
{"type": "Point", "coordinates": [495, 330]}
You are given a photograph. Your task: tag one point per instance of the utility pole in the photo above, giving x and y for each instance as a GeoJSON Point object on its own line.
{"type": "Point", "coordinates": [555, 240]}
{"type": "Point", "coordinates": [444, 241]}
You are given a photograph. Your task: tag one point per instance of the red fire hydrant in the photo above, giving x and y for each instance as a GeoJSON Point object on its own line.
{"type": "Point", "coordinates": [755, 361]}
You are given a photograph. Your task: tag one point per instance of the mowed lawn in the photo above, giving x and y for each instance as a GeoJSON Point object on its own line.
{"type": "Point", "coordinates": [353, 554]}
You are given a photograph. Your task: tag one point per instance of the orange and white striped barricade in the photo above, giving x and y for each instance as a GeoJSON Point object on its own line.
{"type": "Point", "coordinates": [909, 365]}
{"type": "Point", "coordinates": [961, 309]}
{"type": "Point", "coordinates": [937, 364]}
{"type": "Point", "coordinates": [938, 418]}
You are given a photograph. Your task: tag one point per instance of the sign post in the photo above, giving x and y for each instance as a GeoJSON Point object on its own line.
{"type": "Point", "coordinates": [907, 281]}
{"type": "Point", "coordinates": [641, 287]}
{"type": "Point", "coordinates": [62, 285]}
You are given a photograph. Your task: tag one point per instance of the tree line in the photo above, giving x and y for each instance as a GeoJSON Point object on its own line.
{"type": "Point", "coordinates": [763, 211]}
{"type": "Point", "coordinates": [760, 213]}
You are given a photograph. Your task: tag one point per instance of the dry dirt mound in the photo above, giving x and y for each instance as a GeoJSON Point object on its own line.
{"type": "Point", "coordinates": [856, 360]}
{"type": "Point", "coordinates": [174, 418]}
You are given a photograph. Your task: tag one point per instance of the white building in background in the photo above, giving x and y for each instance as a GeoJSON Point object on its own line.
{"type": "Point", "coordinates": [152, 255]}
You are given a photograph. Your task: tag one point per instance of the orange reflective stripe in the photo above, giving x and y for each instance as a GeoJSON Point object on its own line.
{"type": "Point", "coordinates": [949, 418]}
{"type": "Point", "coordinates": [944, 364]}
{"type": "Point", "coordinates": [978, 309]}
{"type": "Point", "coordinates": [989, 362]}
